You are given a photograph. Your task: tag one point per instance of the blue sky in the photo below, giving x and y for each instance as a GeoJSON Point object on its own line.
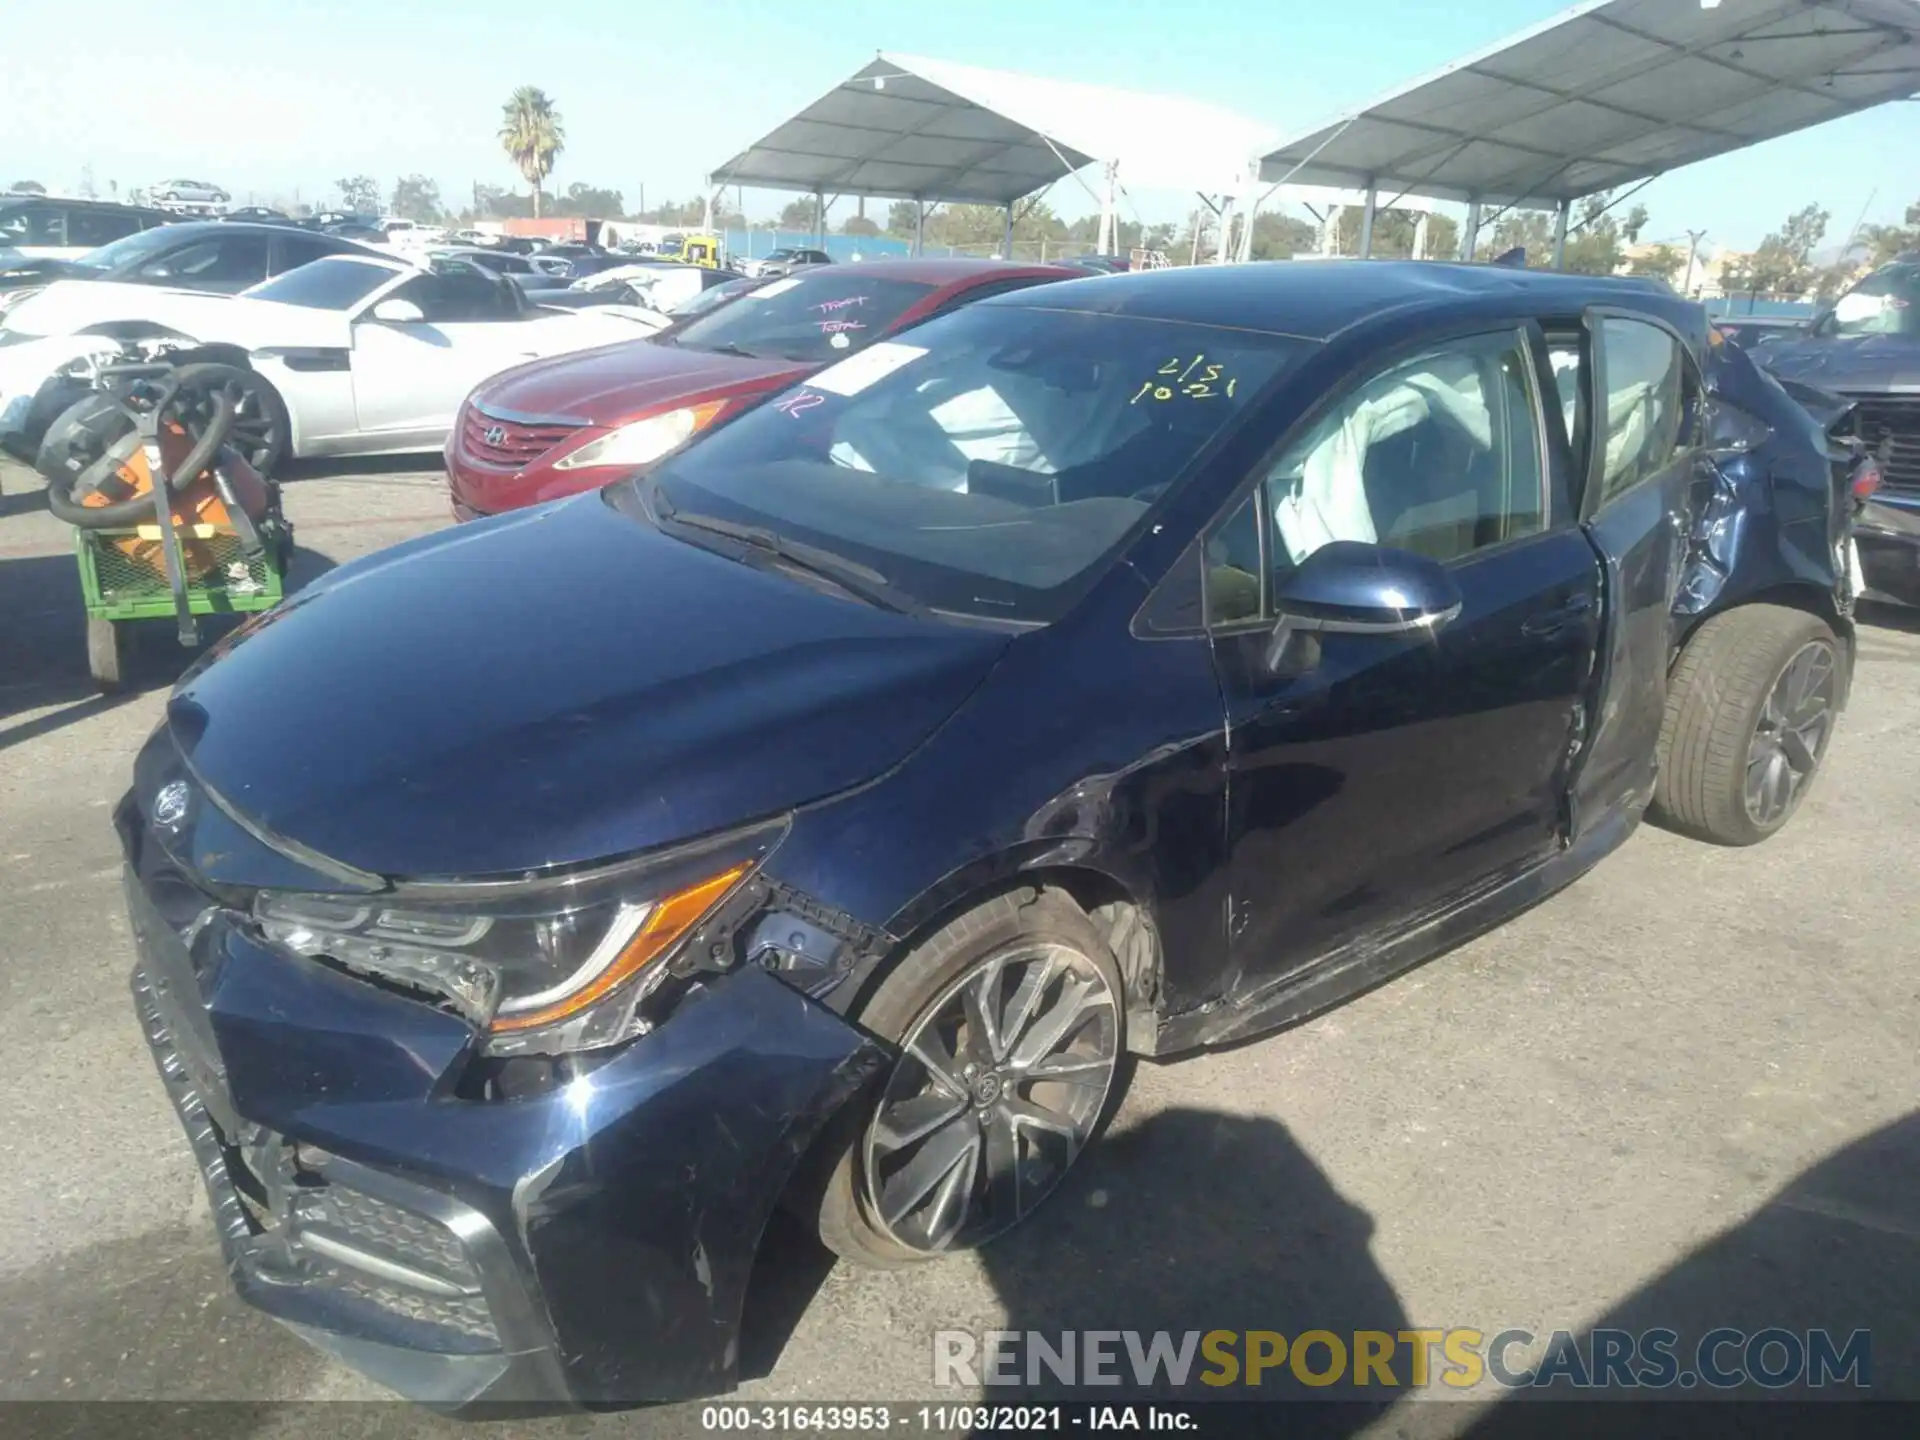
{"type": "Point", "coordinates": [273, 95]}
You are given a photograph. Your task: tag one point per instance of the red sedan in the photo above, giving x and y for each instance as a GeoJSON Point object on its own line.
{"type": "Point", "coordinates": [575, 422]}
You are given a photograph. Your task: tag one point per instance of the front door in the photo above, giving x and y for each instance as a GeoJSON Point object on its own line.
{"type": "Point", "coordinates": [1637, 393]}
{"type": "Point", "coordinates": [1396, 772]}
{"type": "Point", "coordinates": [410, 377]}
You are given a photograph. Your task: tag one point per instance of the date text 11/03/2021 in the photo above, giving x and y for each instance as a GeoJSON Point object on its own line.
{"type": "Point", "coordinates": [945, 1419]}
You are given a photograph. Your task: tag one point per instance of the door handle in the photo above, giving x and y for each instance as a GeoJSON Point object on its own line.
{"type": "Point", "coordinates": [1569, 614]}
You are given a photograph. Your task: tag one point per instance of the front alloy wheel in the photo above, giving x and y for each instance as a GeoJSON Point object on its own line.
{"type": "Point", "coordinates": [1010, 1026]}
{"type": "Point", "coordinates": [999, 1087]}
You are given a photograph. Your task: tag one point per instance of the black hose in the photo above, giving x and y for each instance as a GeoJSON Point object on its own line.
{"type": "Point", "coordinates": [61, 488]}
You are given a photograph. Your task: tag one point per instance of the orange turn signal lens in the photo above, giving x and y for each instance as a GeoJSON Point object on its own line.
{"type": "Point", "coordinates": [670, 919]}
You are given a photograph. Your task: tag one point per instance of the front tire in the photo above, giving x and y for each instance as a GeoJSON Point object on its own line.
{"type": "Point", "coordinates": [1010, 1022]}
{"type": "Point", "coordinates": [1751, 705]}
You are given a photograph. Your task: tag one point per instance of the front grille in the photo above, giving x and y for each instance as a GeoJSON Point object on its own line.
{"type": "Point", "coordinates": [510, 444]}
{"type": "Point", "coordinates": [388, 1231]}
{"type": "Point", "coordinates": [1890, 424]}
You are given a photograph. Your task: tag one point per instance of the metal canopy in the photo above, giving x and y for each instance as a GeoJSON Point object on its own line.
{"type": "Point", "coordinates": [1614, 91]}
{"type": "Point", "coordinates": [891, 133]}
{"type": "Point", "coordinates": [906, 127]}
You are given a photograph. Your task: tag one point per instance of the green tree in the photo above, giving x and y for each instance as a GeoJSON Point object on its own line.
{"type": "Point", "coordinates": [1783, 265]}
{"type": "Point", "coordinates": [1662, 262]}
{"type": "Point", "coordinates": [798, 214]}
{"type": "Point", "coordinates": [1443, 237]}
{"type": "Point", "coordinates": [359, 194]}
{"type": "Point", "coordinates": [590, 202]}
{"type": "Point", "coordinates": [417, 198]}
{"type": "Point", "coordinates": [1884, 242]}
{"type": "Point", "coordinates": [1393, 234]}
{"type": "Point", "coordinates": [28, 187]}
{"type": "Point", "coordinates": [499, 203]}
{"type": "Point", "coordinates": [1278, 236]}
{"type": "Point", "coordinates": [858, 225]}
{"type": "Point", "coordinates": [532, 136]}
{"type": "Point", "coordinates": [1519, 228]}
{"type": "Point", "coordinates": [900, 219]}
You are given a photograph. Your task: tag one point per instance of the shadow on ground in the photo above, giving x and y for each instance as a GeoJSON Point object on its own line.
{"type": "Point", "coordinates": [349, 467]}
{"type": "Point", "coordinates": [1837, 1250]}
{"type": "Point", "coordinates": [43, 644]}
{"type": "Point", "coordinates": [1192, 1221]}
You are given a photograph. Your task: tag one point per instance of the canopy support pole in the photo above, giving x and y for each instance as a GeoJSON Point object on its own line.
{"type": "Point", "coordinates": [1007, 250]}
{"type": "Point", "coordinates": [1366, 220]}
{"type": "Point", "coordinates": [919, 227]}
{"type": "Point", "coordinates": [819, 218]}
{"type": "Point", "coordinates": [1560, 235]}
{"type": "Point", "coordinates": [1470, 235]}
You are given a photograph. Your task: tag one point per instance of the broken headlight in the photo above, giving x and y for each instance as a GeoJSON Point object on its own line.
{"type": "Point", "coordinates": [544, 965]}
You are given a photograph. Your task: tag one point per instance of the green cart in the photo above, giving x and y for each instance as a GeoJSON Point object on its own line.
{"type": "Point", "coordinates": [120, 589]}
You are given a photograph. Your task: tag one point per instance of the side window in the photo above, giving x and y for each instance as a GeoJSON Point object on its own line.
{"type": "Point", "coordinates": [35, 224]}
{"type": "Point", "coordinates": [99, 227]}
{"type": "Point", "coordinates": [1439, 455]}
{"type": "Point", "coordinates": [1645, 369]}
{"type": "Point", "coordinates": [1232, 567]}
{"type": "Point", "coordinates": [295, 251]}
{"type": "Point", "coordinates": [223, 260]}
{"type": "Point", "coordinates": [455, 292]}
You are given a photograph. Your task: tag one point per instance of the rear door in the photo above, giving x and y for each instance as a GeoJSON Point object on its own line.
{"type": "Point", "coordinates": [1632, 390]}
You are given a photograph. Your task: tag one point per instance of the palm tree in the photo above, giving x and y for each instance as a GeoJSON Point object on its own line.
{"type": "Point", "coordinates": [530, 133]}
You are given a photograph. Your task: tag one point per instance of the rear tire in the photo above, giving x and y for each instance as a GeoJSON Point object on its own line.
{"type": "Point", "coordinates": [1751, 705]}
{"type": "Point", "coordinates": [1013, 1131]}
{"type": "Point", "coordinates": [107, 646]}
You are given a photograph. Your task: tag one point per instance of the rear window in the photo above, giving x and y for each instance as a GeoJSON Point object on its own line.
{"type": "Point", "coordinates": [816, 317]}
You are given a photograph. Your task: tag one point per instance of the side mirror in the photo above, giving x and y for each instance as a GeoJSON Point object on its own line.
{"type": "Point", "coordinates": [1352, 588]}
{"type": "Point", "coordinates": [398, 312]}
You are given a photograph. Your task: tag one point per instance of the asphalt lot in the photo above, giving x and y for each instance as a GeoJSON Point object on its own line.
{"type": "Point", "coordinates": [1684, 1093]}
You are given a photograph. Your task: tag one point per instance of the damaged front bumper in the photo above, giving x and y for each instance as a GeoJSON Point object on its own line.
{"type": "Point", "coordinates": [590, 1244]}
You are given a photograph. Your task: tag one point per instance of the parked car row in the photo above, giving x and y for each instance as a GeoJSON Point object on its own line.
{"type": "Point", "coordinates": [1865, 348]}
{"type": "Point", "coordinates": [355, 352]}
{"type": "Point", "coordinates": [968, 676]}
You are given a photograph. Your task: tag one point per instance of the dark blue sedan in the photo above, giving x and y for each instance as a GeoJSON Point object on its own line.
{"type": "Point", "coordinates": [1119, 667]}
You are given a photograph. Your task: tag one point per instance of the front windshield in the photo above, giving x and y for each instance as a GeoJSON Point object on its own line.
{"type": "Point", "coordinates": [130, 250]}
{"type": "Point", "coordinates": [816, 317]}
{"type": "Point", "coordinates": [986, 463]}
{"type": "Point", "coordinates": [711, 298]}
{"type": "Point", "coordinates": [1887, 302]}
{"type": "Point", "coordinates": [335, 283]}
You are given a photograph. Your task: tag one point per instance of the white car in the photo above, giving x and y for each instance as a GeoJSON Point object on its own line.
{"type": "Point", "coordinates": [354, 356]}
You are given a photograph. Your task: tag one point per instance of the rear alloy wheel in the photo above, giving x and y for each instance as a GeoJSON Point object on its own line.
{"type": "Point", "coordinates": [1009, 1023]}
{"type": "Point", "coordinates": [1750, 710]}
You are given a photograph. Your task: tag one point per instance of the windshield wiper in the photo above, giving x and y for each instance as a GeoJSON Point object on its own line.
{"type": "Point", "coordinates": [727, 347]}
{"type": "Point", "coordinates": [849, 576]}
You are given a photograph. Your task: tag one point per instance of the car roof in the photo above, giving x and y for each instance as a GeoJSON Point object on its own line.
{"type": "Point", "coordinates": [950, 271]}
{"type": "Point", "coordinates": [1317, 299]}
{"type": "Point", "coordinates": [10, 198]}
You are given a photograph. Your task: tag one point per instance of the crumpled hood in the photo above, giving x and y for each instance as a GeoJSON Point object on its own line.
{"type": "Point", "coordinates": [1858, 364]}
{"type": "Point", "coordinates": [560, 685]}
{"type": "Point", "coordinates": [616, 383]}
